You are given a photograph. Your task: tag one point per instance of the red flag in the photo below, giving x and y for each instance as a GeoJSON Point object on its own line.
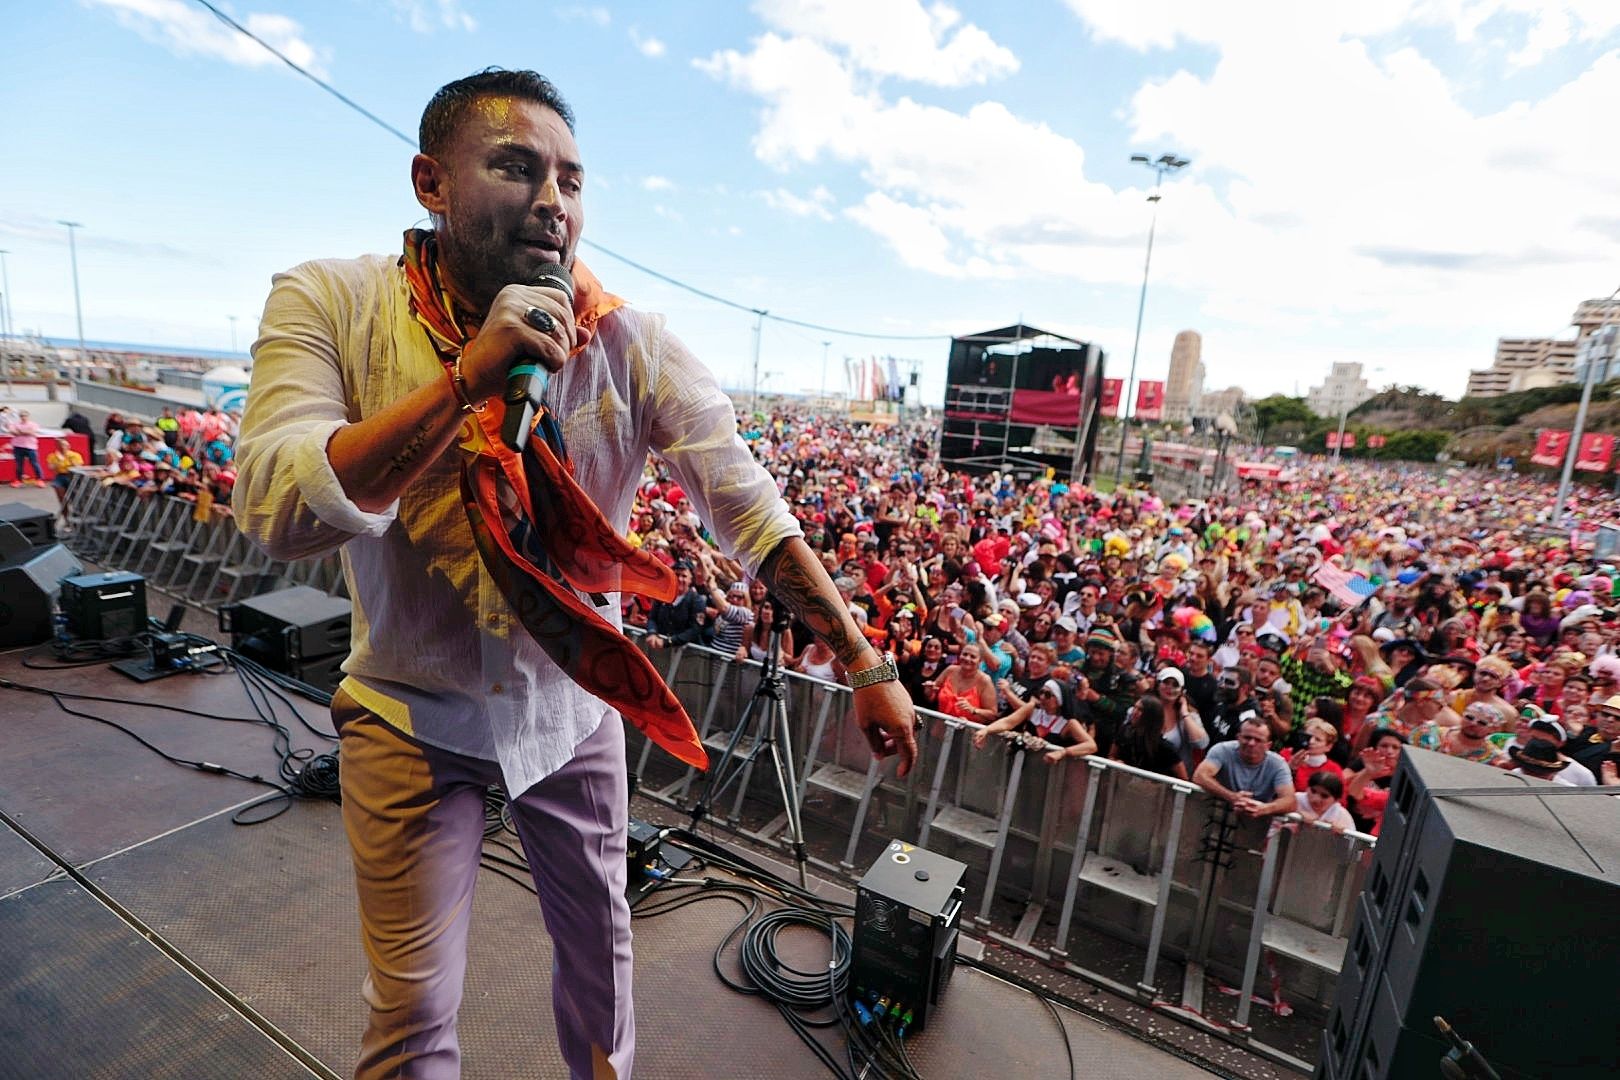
{"type": "Point", "coordinates": [1349, 442]}
{"type": "Point", "coordinates": [1551, 446]}
{"type": "Point", "coordinates": [1376, 442]}
{"type": "Point", "coordinates": [1595, 451]}
{"type": "Point", "coordinates": [1150, 400]}
{"type": "Point", "coordinates": [1112, 389]}
{"type": "Point", "coordinates": [1332, 440]}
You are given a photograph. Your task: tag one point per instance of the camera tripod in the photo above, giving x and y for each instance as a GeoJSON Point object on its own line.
{"type": "Point", "coordinates": [766, 714]}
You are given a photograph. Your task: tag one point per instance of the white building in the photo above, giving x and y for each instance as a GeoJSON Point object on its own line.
{"type": "Point", "coordinates": [1341, 391]}
{"type": "Point", "coordinates": [1185, 383]}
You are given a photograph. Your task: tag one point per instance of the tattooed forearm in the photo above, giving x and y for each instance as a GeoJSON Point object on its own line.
{"type": "Point", "coordinates": [407, 453]}
{"type": "Point", "coordinates": [797, 580]}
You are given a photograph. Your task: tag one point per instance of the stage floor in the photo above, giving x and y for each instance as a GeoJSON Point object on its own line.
{"type": "Point", "coordinates": [197, 948]}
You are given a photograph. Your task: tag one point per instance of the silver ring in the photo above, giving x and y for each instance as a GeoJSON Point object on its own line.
{"type": "Point", "coordinates": [540, 319]}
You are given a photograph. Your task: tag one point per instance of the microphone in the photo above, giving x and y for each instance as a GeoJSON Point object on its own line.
{"type": "Point", "coordinates": [526, 381]}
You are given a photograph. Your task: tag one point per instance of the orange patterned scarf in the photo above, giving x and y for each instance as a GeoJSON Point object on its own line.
{"type": "Point", "coordinates": [538, 532]}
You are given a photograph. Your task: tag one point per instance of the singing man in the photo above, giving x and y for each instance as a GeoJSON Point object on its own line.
{"type": "Point", "coordinates": [486, 645]}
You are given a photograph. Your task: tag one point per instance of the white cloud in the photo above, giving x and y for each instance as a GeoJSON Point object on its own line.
{"type": "Point", "coordinates": [1159, 24]}
{"type": "Point", "coordinates": [601, 16]}
{"type": "Point", "coordinates": [188, 30]}
{"type": "Point", "coordinates": [657, 183]}
{"type": "Point", "coordinates": [1342, 193]}
{"type": "Point", "coordinates": [427, 16]}
{"type": "Point", "coordinates": [816, 204]}
{"type": "Point", "coordinates": [898, 38]}
{"type": "Point", "coordinates": [647, 46]}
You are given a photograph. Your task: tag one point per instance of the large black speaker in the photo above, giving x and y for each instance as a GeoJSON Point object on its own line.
{"type": "Point", "coordinates": [38, 526]}
{"type": "Point", "coordinates": [302, 632]}
{"type": "Point", "coordinates": [1494, 911]}
{"type": "Point", "coordinates": [30, 579]}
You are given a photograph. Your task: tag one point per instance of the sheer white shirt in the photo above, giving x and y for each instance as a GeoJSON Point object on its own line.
{"type": "Point", "coordinates": [436, 649]}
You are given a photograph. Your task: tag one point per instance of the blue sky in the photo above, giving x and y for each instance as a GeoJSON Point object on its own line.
{"type": "Point", "coordinates": [1397, 182]}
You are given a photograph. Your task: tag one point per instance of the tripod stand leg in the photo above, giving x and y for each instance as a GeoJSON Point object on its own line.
{"type": "Point", "coordinates": [782, 758]}
{"type": "Point", "coordinates": [728, 769]}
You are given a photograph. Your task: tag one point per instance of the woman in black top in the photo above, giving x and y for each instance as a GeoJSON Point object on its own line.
{"type": "Point", "coordinates": [917, 673]}
{"type": "Point", "coordinates": [1141, 742]}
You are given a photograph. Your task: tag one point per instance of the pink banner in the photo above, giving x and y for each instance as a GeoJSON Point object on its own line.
{"type": "Point", "coordinates": [1060, 409]}
{"type": "Point", "coordinates": [1594, 452]}
{"type": "Point", "coordinates": [1150, 401]}
{"type": "Point", "coordinates": [1112, 391]}
{"type": "Point", "coordinates": [1551, 445]}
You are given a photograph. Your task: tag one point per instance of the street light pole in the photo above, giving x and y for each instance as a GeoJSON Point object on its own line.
{"type": "Point", "coordinates": [825, 345]}
{"type": "Point", "coordinates": [759, 327]}
{"type": "Point", "coordinates": [1165, 163]}
{"type": "Point", "coordinates": [1344, 415]}
{"type": "Point", "coordinates": [73, 255]}
{"type": "Point", "coordinates": [1599, 346]}
{"type": "Point", "coordinates": [233, 331]}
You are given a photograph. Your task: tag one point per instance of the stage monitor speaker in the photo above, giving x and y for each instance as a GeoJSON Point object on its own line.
{"type": "Point", "coordinates": [907, 914]}
{"type": "Point", "coordinates": [99, 607]}
{"type": "Point", "coordinates": [37, 526]}
{"type": "Point", "coordinates": [1487, 910]}
{"type": "Point", "coordinates": [30, 580]}
{"type": "Point", "coordinates": [289, 627]}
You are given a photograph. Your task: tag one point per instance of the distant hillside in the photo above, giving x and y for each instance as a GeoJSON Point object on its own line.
{"type": "Point", "coordinates": [1417, 424]}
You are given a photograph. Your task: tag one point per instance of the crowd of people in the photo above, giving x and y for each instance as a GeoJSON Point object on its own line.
{"type": "Point", "coordinates": [189, 453]}
{"type": "Point", "coordinates": [1280, 645]}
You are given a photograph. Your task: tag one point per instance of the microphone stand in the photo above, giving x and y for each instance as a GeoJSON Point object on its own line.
{"type": "Point", "coordinates": [766, 710]}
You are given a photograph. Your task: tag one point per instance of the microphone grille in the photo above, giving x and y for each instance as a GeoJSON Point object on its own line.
{"type": "Point", "coordinates": [553, 276]}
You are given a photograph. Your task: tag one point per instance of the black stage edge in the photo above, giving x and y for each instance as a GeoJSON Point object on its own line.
{"type": "Point", "coordinates": [251, 932]}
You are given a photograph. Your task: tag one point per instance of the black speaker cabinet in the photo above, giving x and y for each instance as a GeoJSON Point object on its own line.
{"type": "Point", "coordinates": [37, 526]}
{"type": "Point", "coordinates": [289, 625]}
{"type": "Point", "coordinates": [1494, 911]}
{"type": "Point", "coordinates": [30, 579]}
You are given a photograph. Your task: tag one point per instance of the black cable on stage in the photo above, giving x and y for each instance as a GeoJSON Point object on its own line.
{"type": "Point", "coordinates": [1042, 995]}
{"type": "Point", "coordinates": [1068, 1048]}
{"type": "Point", "coordinates": [711, 850]}
{"type": "Point", "coordinates": [757, 957]}
{"type": "Point", "coordinates": [200, 766]}
{"type": "Point", "coordinates": [301, 772]}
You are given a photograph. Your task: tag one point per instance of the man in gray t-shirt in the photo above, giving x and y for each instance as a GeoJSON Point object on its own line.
{"type": "Point", "coordinates": [1247, 774]}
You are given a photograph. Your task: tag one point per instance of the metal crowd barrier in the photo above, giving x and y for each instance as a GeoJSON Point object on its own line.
{"type": "Point", "coordinates": [1142, 858]}
{"type": "Point", "coordinates": [203, 559]}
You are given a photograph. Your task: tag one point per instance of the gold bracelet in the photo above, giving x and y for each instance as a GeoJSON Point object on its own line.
{"type": "Point", "coordinates": [459, 386]}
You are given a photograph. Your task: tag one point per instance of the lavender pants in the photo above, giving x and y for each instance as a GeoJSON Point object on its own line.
{"type": "Point", "coordinates": [414, 815]}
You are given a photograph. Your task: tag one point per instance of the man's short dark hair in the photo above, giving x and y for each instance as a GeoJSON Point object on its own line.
{"type": "Point", "coordinates": [449, 105]}
{"type": "Point", "coordinates": [1256, 722]}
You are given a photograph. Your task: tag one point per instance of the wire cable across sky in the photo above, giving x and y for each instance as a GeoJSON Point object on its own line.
{"type": "Point", "coordinates": [667, 279]}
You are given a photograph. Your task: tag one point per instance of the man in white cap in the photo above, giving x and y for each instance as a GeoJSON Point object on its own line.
{"type": "Point", "coordinates": [1064, 632]}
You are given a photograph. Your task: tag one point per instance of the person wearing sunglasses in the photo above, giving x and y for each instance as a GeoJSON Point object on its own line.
{"type": "Point", "coordinates": [1491, 676]}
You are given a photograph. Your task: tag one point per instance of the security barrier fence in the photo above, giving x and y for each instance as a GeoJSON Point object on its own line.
{"type": "Point", "coordinates": [1263, 907]}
